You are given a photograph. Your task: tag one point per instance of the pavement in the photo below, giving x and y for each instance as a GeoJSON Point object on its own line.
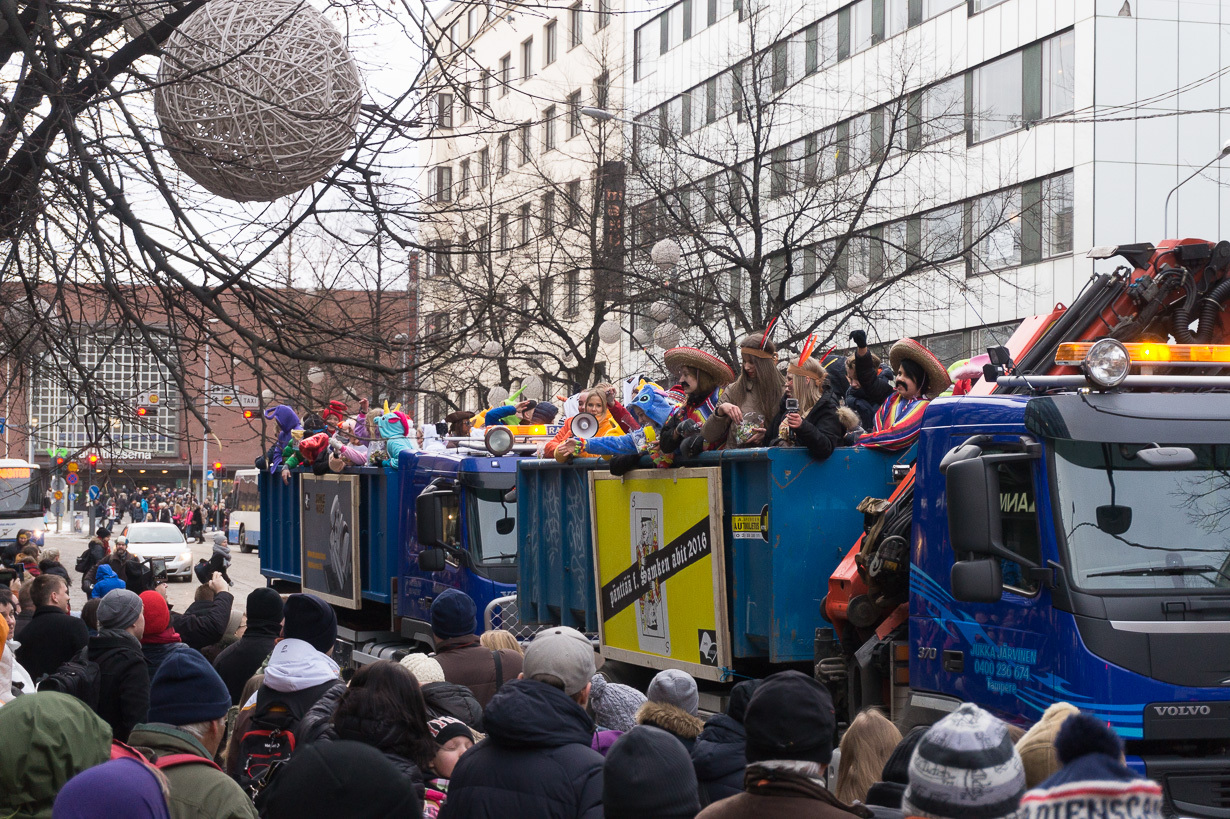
{"type": "Point", "coordinates": [244, 571]}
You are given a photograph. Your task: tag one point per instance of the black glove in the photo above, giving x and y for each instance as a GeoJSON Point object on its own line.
{"type": "Point", "coordinates": [625, 462]}
{"type": "Point", "coordinates": [859, 337]}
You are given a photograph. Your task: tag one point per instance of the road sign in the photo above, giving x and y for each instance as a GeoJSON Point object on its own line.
{"type": "Point", "coordinates": [71, 478]}
{"type": "Point", "coordinates": [3, 421]}
{"type": "Point", "coordinates": [94, 492]}
{"type": "Point", "coordinates": [72, 466]}
{"type": "Point", "coordinates": [58, 495]}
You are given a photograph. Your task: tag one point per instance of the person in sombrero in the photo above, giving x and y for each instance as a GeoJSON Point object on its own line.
{"type": "Point", "coordinates": [918, 377]}
{"type": "Point", "coordinates": [701, 375]}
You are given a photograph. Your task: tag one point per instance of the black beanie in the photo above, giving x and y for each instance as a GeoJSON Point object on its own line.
{"type": "Point", "coordinates": [740, 696]}
{"type": "Point", "coordinates": [790, 716]}
{"type": "Point", "coordinates": [341, 780]}
{"type": "Point", "coordinates": [264, 606]}
{"type": "Point", "coordinates": [306, 617]}
{"type": "Point", "coordinates": [648, 772]}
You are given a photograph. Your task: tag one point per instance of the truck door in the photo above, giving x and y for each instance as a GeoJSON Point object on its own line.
{"type": "Point", "coordinates": [423, 586]}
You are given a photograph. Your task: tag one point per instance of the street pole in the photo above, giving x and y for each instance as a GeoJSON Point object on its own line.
{"type": "Point", "coordinates": [205, 429]}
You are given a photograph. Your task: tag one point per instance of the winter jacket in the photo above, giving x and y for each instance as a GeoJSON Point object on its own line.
{"type": "Point", "coordinates": [821, 431]}
{"type": "Point", "coordinates": [673, 720]}
{"type": "Point", "coordinates": [384, 738]}
{"type": "Point", "coordinates": [105, 580]}
{"type": "Point", "coordinates": [45, 740]}
{"type": "Point", "coordinates": [774, 792]}
{"type": "Point", "coordinates": [123, 694]}
{"type": "Point", "coordinates": [198, 791]}
{"type": "Point", "coordinates": [317, 723]}
{"type": "Point", "coordinates": [56, 568]}
{"type": "Point", "coordinates": [446, 699]}
{"type": "Point", "coordinates": [720, 757]}
{"type": "Point", "coordinates": [14, 679]}
{"type": "Point", "coordinates": [240, 660]}
{"type": "Point", "coordinates": [204, 623]}
{"type": "Point", "coordinates": [50, 640]}
{"type": "Point", "coordinates": [156, 653]}
{"type": "Point", "coordinates": [536, 760]}
{"type": "Point", "coordinates": [467, 662]}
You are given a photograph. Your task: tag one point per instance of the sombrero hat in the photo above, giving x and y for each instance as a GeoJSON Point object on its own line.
{"type": "Point", "coordinates": [937, 374]}
{"type": "Point", "coordinates": [705, 362]}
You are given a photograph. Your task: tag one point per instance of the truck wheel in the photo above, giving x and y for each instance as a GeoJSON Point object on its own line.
{"type": "Point", "coordinates": [243, 540]}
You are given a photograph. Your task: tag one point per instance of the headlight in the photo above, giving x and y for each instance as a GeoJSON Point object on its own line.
{"type": "Point", "coordinates": [1107, 363]}
{"type": "Point", "coordinates": [186, 556]}
{"type": "Point", "coordinates": [499, 441]}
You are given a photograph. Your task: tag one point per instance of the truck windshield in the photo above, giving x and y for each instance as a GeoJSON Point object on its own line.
{"type": "Point", "coordinates": [19, 492]}
{"type": "Point", "coordinates": [485, 511]}
{"type": "Point", "coordinates": [1129, 526]}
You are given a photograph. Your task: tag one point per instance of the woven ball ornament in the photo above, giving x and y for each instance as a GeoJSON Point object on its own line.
{"type": "Point", "coordinates": [141, 15]}
{"type": "Point", "coordinates": [665, 253]}
{"type": "Point", "coordinates": [492, 349]}
{"type": "Point", "coordinates": [640, 336]}
{"type": "Point", "coordinates": [531, 388]}
{"type": "Point", "coordinates": [659, 311]}
{"type": "Point", "coordinates": [666, 335]}
{"type": "Point", "coordinates": [497, 395]}
{"type": "Point", "coordinates": [609, 331]}
{"type": "Point", "coordinates": [256, 100]}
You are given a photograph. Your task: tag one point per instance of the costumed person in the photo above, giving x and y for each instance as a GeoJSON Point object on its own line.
{"type": "Point", "coordinates": [565, 445]}
{"type": "Point", "coordinates": [701, 375]}
{"type": "Point", "coordinates": [816, 424]}
{"type": "Point", "coordinates": [287, 420]}
{"type": "Point", "coordinates": [920, 377]}
{"type": "Point", "coordinates": [313, 451]}
{"type": "Point", "coordinates": [345, 448]}
{"type": "Point", "coordinates": [333, 415]}
{"type": "Point", "coordinates": [652, 407]}
{"type": "Point", "coordinates": [395, 428]}
{"type": "Point", "coordinates": [431, 439]}
{"type": "Point", "coordinates": [460, 423]}
{"type": "Point", "coordinates": [746, 405]}
{"type": "Point", "coordinates": [626, 420]}
{"type": "Point", "coordinates": [857, 399]}
{"type": "Point", "coordinates": [516, 414]}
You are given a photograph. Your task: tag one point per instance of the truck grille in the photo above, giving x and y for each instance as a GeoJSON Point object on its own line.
{"type": "Point", "coordinates": [1211, 791]}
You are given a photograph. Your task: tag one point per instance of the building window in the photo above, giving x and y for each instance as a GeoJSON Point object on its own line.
{"type": "Point", "coordinates": [779, 172]}
{"type": "Point", "coordinates": [664, 33]}
{"type": "Point", "coordinates": [711, 100]}
{"type": "Point", "coordinates": [854, 29]}
{"type": "Point", "coordinates": [811, 49]}
{"type": "Point", "coordinates": [474, 21]}
{"type": "Point", "coordinates": [574, 114]}
{"type": "Point", "coordinates": [487, 81]}
{"type": "Point", "coordinates": [463, 253]}
{"type": "Point", "coordinates": [934, 8]}
{"type": "Point", "coordinates": [444, 110]}
{"type": "Point", "coordinates": [896, 16]}
{"type": "Point", "coordinates": [663, 130]}
{"type": "Point", "coordinates": [686, 8]}
{"type": "Point", "coordinates": [997, 103]}
{"type": "Point", "coordinates": [574, 203]}
{"type": "Point", "coordinates": [685, 113]}
{"type": "Point", "coordinates": [484, 167]}
{"type": "Point", "coordinates": [444, 258]}
{"type": "Point", "coordinates": [454, 36]}
{"type": "Point", "coordinates": [572, 290]}
{"type": "Point", "coordinates": [943, 110]}
{"type": "Point", "coordinates": [502, 232]}
{"type": "Point", "coordinates": [602, 90]}
{"type": "Point", "coordinates": [604, 15]}
{"type": "Point", "coordinates": [444, 183]}
{"type": "Point", "coordinates": [548, 128]}
{"type": "Point", "coordinates": [524, 224]}
{"type": "Point", "coordinates": [997, 230]}
{"type": "Point", "coordinates": [505, 74]}
{"type": "Point", "coordinates": [781, 65]}
{"type": "Point", "coordinates": [1031, 84]}
{"type": "Point", "coordinates": [549, 42]}
{"type": "Point", "coordinates": [983, 5]}
{"type": "Point", "coordinates": [575, 33]}
{"type": "Point", "coordinates": [1058, 86]}
{"type": "Point", "coordinates": [548, 214]}
{"type": "Point", "coordinates": [524, 143]}
{"type": "Point", "coordinates": [463, 183]}
{"type": "Point", "coordinates": [527, 58]}
{"type": "Point", "coordinates": [504, 146]}
{"type": "Point", "coordinates": [1057, 215]}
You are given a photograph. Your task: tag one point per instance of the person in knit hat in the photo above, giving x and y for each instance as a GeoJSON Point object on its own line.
{"type": "Point", "coordinates": [614, 705]}
{"type": "Point", "coordinates": [341, 780]}
{"type": "Point", "coordinates": [1094, 781]}
{"type": "Point", "coordinates": [308, 618]}
{"type": "Point", "coordinates": [454, 619]}
{"type": "Point", "coordinates": [1037, 747]}
{"type": "Point", "coordinates": [965, 767]}
{"type": "Point", "coordinates": [121, 787]}
{"type": "Point", "coordinates": [648, 773]}
{"type": "Point", "coordinates": [240, 660]}
{"type": "Point", "coordinates": [160, 639]}
{"type": "Point", "coordinates": [220, 557]}
{"type": "Point", "coordinates": [123, 692]}
{"type": "Point", "coordinates": [790, 726]}
{"type": "Point", "coordinates": [443, 698]}
{"type": "Point", "coordinates": [720, 752]}
{"type": "Point", "coordinates": [187, 715]}
{"type": "Point", "coordinates": [672, 706]}
{"type": "Point", "coordinates": [453, 738]}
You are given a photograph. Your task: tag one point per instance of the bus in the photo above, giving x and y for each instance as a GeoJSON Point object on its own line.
{"type": "Point", "coordinates": [244, 527]}
{"type": "Point", "coordinates": [21, 500]}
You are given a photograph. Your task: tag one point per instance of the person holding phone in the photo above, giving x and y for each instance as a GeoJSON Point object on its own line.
{"type": "Point", "coordinates": [808, 415]}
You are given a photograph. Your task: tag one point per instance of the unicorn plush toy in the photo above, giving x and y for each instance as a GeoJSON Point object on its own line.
{"type": "Point", "coordinates": [396, 430]}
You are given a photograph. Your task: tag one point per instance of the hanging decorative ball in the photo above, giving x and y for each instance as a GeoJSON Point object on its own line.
{"type": "Point", "coordinates": [531, 387]}
{"type": "Point", "coordinates": [857, 283]}
{"type": "Point", "coordinates": [609, 331]}
{"type": "Point", "coordinates": [492, 349]}
{"type": "Point", "coordinates": [256, 100]}
{"type": "Point", "coordinates": [641, 336]}
{"type": "Point", "coordinates": [666, 335]}
{"type": "Point", "coordinates": [497, 395]}
{"type": "Point", "coordinates": [267, 394]}
{"type": "Point", "coordinates": [473, 344]}
{"type": "Point", "coordinates": [665, 253]}
{"type": "Point", "coordinates": [659, 311]}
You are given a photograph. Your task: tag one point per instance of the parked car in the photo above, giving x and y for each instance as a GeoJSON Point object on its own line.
{"type": "Point", "coordinates": [161, 540]}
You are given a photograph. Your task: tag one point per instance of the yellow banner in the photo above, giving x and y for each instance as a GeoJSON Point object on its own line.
{"type": "Point", "coordinates": [660, 573]}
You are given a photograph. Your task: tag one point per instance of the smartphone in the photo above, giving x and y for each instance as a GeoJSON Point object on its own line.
{"type": "Point", "coordinates": [792, 405]}
{"type": "Point", "coordinates": [159, 567]}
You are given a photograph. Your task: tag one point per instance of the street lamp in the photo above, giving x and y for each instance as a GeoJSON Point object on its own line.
{"type": "Point", "coordinates": [1225, 151]}
{"type": "Point", "coordinates": [403, 340]}
{"type": "Point", "coordinates": [205, 419]}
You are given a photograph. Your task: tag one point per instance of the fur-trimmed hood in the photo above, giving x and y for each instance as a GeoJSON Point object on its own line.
{"type": "Point", "coordinates": [671, 718]}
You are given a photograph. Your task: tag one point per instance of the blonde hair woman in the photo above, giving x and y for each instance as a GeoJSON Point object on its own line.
{"type": "Point", "coordinates": [816, 425]}
{"type": "Point", "coordinates": [565, 444]}
{"type": "Point", "coordinates": [865, 747]}
{"type": "Point", "coordinates": [498, 638]}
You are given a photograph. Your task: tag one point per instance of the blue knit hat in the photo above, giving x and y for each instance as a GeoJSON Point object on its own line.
{"type": "Point", "coordinates": [186, 689]}
{"type": "Point", "coordinates": [453, 614]}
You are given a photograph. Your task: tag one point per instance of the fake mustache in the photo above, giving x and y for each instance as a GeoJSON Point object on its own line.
{"type": "Point", "coordinates": [901, 385]}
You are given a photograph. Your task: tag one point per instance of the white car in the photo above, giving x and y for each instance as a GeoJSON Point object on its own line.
{"type": "Point", "coordinates": [161, 540]}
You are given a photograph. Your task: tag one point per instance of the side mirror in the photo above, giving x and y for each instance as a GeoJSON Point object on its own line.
{"type": "Point", "coordinates": [974, 524]}
{"type": "Point", "coordinates": [504, 526]}
{"type": "Point", "coordinates": [431, 560]}
{"type": "Point", "coordinates": [429, 518]}
{"type": "Point", "coordinates": [977, 581]}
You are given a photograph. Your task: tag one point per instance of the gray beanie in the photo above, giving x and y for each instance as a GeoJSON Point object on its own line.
{"type": "Point", "coordinates": [614, 704]}
{"type": "Point", "coordinates": [119, 609]}
{"type": "Point", "coordinates": [675, 687]}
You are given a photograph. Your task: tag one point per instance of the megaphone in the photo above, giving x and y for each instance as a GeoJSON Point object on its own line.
{"type": "Point", "coordinates": [584, 425]}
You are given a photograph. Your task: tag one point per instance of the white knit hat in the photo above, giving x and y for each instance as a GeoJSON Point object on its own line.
{"type": "Point", "coordinates": [425, 669]}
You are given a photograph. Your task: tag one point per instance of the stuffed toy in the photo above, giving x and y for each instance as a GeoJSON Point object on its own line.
{"type": "Point", "coordinates": [395, 428]}
{"type": "Point", "coordinates": [655, 405]}
{"type": "Point", "coordinates": [313, 451]}
{"type": "Point", "coordinates": [344, 450]}
{"type": "Point", "coordinates": [377, 450]}
{"type": "Point", "coordinates": [287, 421]}
{"type": "Point", "coordinates": [333, 415]}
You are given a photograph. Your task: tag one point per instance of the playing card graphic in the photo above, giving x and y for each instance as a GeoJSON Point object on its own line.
{"type": "Point", "coordinates": [652, 623]}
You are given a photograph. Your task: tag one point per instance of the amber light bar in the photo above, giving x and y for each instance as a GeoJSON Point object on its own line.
{"type": "Point", "coordinates": [1073, 353]}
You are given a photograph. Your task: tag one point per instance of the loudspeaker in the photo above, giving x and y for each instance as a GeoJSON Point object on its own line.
{"type": "Point", "coordinates": [584, 425]}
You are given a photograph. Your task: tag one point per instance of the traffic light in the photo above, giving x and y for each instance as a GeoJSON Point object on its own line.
{"type": "Point", "coordinates": [248, 413]}
{"type": "Point", "coordinates": [59, 462]}
{"type": "Point", "coordinates": [142, 411]}
{"type": "Point", "coordinates": [93, 460]}
{"type": "Point", "coordinates": [219, 470]}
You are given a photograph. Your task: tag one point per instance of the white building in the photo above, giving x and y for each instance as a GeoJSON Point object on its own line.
{"type": "Point", "coordinates": [1070, 118]}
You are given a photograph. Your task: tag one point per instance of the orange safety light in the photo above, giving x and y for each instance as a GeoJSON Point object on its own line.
{"type": "Point", "coordinates": [142, 412]}
{"type": "Point", "coordinates": [1073, 353]}
{"type": "Point", "coordinates": [247, 413]}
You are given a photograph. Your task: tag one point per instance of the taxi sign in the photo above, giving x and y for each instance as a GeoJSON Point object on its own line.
{"type": "Point", "coordinates": [72, 466]}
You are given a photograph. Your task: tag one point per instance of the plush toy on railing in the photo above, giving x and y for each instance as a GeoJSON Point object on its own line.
{"type": "Point", "coordinates": [313, 451]}
{"type": "Point", "coordinates": [287, 421]}
{"type": "Point", "coordinates": [344, 448]}
{"type": "Point", "coordinates": [397, 432]}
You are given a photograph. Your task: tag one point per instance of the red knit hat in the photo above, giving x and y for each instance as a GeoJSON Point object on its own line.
{"type": "Point", "coordinates": [157, 613]}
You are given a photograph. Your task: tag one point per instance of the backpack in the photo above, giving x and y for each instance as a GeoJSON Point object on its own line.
{"type": "Point", "coordinates": [85, 561]}
{"type": "Point", "coordinates": [271, 736]}
{"type": "Point", "coordinates": [79, 677]}
{"type": "Point", "coordinates": [120, 750]}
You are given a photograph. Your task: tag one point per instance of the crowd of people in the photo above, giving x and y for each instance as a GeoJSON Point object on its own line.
{"type": "Point", "coordinates": [160, 505]}
{"type": "Point", "coordinates": [130, 713]}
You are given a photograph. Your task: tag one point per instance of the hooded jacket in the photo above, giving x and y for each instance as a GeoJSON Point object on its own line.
{"type": "Point", "coordinates": [536, 760]}
{"type": "Point", "coordinates": [467, 662]}
{"type": "Point", "coordinates": [45, 740]}
{"type": "Point", "coordinates": [123, 694]}
{"type": "Point", "coordinates": [775, 792]}
{"type": "Point", "coordinates": [673, 720]}
{"type": "Point", "coordinates": [446, 699]}
{"type": "Point", "coordinates": [105, 580]}
{"type": "Point", "coordinates": [720, 756]}
{"type": "Point", "coordinates": [240, 660]}
{"type": "Point", "coordinates": [14, 678]}
{"type": "Point", "coordinates": [198, 791]}
{"type": "Point", "coordinates": [204, 623]}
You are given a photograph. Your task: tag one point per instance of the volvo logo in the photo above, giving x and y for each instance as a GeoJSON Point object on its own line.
{"type": "Point", "coordinates": [1182, 710]}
